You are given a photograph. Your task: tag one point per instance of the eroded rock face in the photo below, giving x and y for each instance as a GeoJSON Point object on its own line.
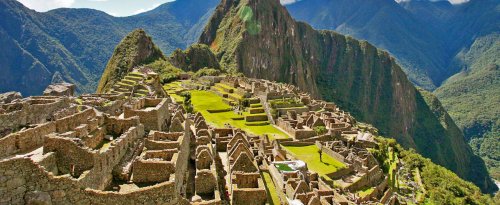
{"type": "Point", "coordinates": [260, 39]}
{"type": "Point", "coordinates": [10, 97]}
{"type": "Point", "coordinates": [60, 89]}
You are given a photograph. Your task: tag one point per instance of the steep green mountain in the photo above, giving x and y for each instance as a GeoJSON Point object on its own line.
{"type": "Point", "coordinates": [260, 39]}
{"type": "Point", "coordinates": [194, 58]}
{"type": "Point", "coordinates": [472, 99]}
{"type": "Point", "coordinates": [137, 48]}
{"type": "Point", "coordinates": [387, 25]}
{"type": "Point", "coordinates": [454, 48]}
{"type": "Point", "coordinates": [75, 44]}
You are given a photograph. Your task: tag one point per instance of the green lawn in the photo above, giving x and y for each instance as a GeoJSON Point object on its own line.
{"type": "Point", "coordinates": [206, 100]}
{"type": "Point", "coordinates": [310, 155]}
{"type": "Point", "coordinates": [271, 189]}
{"type": "Point", "coordinates": [283, 167]}
{"type": "Point", "coordinates": [366, 191]}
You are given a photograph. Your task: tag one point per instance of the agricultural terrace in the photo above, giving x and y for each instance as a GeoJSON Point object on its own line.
{"type": "Point", "coordinates": [218, 113]}
{"type": "Point", "coordinates": [271, 189]}
{"type": "Point", "coordinates": [310, 155]}
{"type": "Point", "coordinates": [173, 89]}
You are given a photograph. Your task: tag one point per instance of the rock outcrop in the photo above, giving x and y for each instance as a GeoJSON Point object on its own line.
{"type": "Point", "coordinates": [261, 40]}
{"type": "Point", "coordinates": [9, 97]}
{"type": "Point", "coordinates": [60, 89]}
{"type": "Point", "coordinates": [194, 58]}
{"type": "Point", "coordinates": [137, 48]}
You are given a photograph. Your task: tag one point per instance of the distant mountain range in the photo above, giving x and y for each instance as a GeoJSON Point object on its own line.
{"type": "Point", "coordinates": [453, 50]}
{"type": "Point", "coordinates": [74, 44]}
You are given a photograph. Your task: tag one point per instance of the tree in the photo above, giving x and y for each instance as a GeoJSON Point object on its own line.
{"type": "Point", "coordinates": [187, 102]}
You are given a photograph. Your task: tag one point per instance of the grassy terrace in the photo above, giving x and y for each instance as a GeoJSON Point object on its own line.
{"type": "Point", "coordinates": [173, 87]}
{"type": "Point", "coordinates": [310, 155]}
{"type": "Point", "coordinates": [205, 100]}
{"type": "Point", "coordinates": [271, 189]}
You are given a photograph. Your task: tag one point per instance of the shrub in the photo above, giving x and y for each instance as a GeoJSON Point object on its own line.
{"type": "Point", "coordinates": [206, 72]}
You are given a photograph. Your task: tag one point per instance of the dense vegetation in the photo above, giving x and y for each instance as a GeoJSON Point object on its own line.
{"type": "Point", "coordinates": [440, 184]}
{"type": "Point", "coordinates": [134, 50]}
{"type": "Point", "coordinates": [453, 48]}
{"type": "Point", "coordinates": [261, 40]}
{"type": "Point", "coordinates": [194, 58]}
{"type": "Point", "coordinates": [75, 44]}
{"type": "Point", "coordinates": [472, 98]}
{"type": "Point", "coordinates": [166, 70]}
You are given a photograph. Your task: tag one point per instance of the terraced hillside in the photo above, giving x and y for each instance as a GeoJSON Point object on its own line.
{"type": "Point", "coordinates": [261, 40]}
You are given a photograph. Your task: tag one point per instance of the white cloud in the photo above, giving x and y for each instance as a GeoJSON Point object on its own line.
{"type": "Point", "coordinates": [458, 1]}
{"type": "Point", "coordinates": [45, 5]}
{"type": "Point", "coordinates": [285, 2]}
{"type": "Point", "coordinates": [145, 9]}
{"type": "Point", "coordinates": [451, 1]}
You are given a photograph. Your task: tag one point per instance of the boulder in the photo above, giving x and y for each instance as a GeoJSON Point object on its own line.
{"type": "Point", "coordinates": [60, 89]}
{"type": "Point", "coordinates": [9, 97]}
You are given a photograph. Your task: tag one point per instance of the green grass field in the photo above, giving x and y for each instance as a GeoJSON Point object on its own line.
{"type": "Point", "coordinates": [271, 189]}
{"type": "Point", "coordinates": [206, 100]}
{"type": "Point", "coordinates": [310, 155]}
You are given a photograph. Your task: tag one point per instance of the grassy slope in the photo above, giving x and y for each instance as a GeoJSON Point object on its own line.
{"type": "Point", "coordinates": [310, 155]}
{"type": "Point", "coordinates": [206, 100]}
{"type": "Point", "coordinates": [472, 97]}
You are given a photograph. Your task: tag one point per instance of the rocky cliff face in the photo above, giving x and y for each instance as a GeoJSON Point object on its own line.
{"type": "Point", "coordinates": [260, 39]}
{"type": "Point", "coordinates": [137, 48]}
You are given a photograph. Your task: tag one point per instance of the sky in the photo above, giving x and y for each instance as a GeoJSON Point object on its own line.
{"type": "Point", "coordinates": [116, 7]}
{"type": "Point", "coordinates": [112, 7]}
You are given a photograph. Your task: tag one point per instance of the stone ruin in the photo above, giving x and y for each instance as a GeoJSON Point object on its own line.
{"type": "Point", "coordinates": [128, 147]}
{"type": "Point", "coordinates": [92, 149]}
{"type": "Point", "coordinates": [246, 184]}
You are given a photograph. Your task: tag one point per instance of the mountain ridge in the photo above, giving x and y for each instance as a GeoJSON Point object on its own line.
{"type": "Point", "coordinates": [76, 43]}
{"type": "Point", "coordinates": [261, 40]}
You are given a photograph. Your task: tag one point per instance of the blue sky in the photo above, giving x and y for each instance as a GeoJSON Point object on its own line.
{"type": "Point", "coordinates": [117, 7]}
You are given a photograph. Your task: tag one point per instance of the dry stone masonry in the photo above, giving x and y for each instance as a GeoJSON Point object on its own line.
{"type": "Point", "coordinates": [126, 148]}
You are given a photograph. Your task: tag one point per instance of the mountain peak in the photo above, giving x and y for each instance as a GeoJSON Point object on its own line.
{"type": "Point", "coordinates": [261, 40]}
{"type": "Point", "coordinates": [137, 48]}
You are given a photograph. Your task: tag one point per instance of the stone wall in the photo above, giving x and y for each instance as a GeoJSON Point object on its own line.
{"type": "Point", "coordinates": [25, 140]}
{"type": "Point", "coordinates": [22, 181]}
{"type": "Point", "coordinates": [255, 118]}
{"type": "Point", "coordinates": [33, 111]}
{"type": "Point", "coordinates": [153, 113]}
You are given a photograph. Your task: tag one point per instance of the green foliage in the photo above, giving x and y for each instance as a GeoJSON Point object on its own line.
{"type": "Point", "coordinates": [136, 49]}
{"type": "Point", "coordinates": [320, 130]}
{"type": "Point", "coordinates": [207, 72]}
{"type": "Point", "coordinates": [471, 97]}
{"type": "Point", "coordinates": [487, 147]}
{"type": "Point", "coordinates": [168, 73]}
{"type": "Point", "coordinates": [442, 185]}
{"type": "Point", "coordinates": [187, 102]}
{"type": "Point", "coordinates": [194, 58]}
{"type": "Point", "coordinates": [77, 43]}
